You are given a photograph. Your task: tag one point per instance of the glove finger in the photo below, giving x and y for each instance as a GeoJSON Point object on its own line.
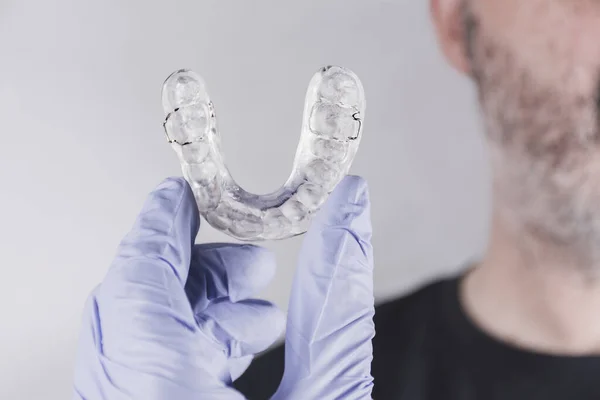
{"type": "Point", "coordinates": [142, 303]}
{"type": "Point", "coordinates": [330, 316]}
{"type": "Point", "coordinates": [236, 271]}
{"type": "Point", "coordinates": [163, 234]}
{"type": "Point", "coordinates": [243, 328]}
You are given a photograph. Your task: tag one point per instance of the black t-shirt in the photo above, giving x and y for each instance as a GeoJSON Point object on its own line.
{"type": "Point", "coordinates": [426, 348]}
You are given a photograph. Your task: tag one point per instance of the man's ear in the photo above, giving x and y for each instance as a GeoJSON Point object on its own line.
{"type": "Point", "coordinates": [448, 19]}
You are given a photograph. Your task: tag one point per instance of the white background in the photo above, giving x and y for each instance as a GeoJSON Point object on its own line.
{"type": "Point", "coordinates": [82, 143]}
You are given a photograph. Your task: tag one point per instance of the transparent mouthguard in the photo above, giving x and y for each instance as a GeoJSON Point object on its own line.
{"type": "Point", "coordinates": [331, 132]}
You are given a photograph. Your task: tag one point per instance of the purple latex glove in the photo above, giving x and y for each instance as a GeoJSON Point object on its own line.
{"type": "Point", "coordinates": [328, 350]}
{"type": "Point", "coordinates": [172, 320]}
{"type": "Point", "coordinates": [144, 337]}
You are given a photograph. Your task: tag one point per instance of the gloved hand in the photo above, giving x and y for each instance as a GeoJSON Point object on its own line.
{"type": "Point", "coordinates": [147, 338]}
{"type": "Point", "coordinates": [328, 350]}
{"type": "Point", "coordinates": [172, 320]}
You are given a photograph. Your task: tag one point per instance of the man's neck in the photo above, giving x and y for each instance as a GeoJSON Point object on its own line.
{"type": "Point", "coordinates": [533, 296]}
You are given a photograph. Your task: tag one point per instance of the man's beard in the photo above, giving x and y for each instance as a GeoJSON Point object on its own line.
{"type": "Point", "coordinates": [545, 146]}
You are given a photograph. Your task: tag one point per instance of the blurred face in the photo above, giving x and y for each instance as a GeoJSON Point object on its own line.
{"type": "Point", "coordinates": [536, 64]}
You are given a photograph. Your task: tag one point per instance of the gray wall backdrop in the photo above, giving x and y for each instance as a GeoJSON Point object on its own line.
{"type": "Point", "coordinates": [82, 143]}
